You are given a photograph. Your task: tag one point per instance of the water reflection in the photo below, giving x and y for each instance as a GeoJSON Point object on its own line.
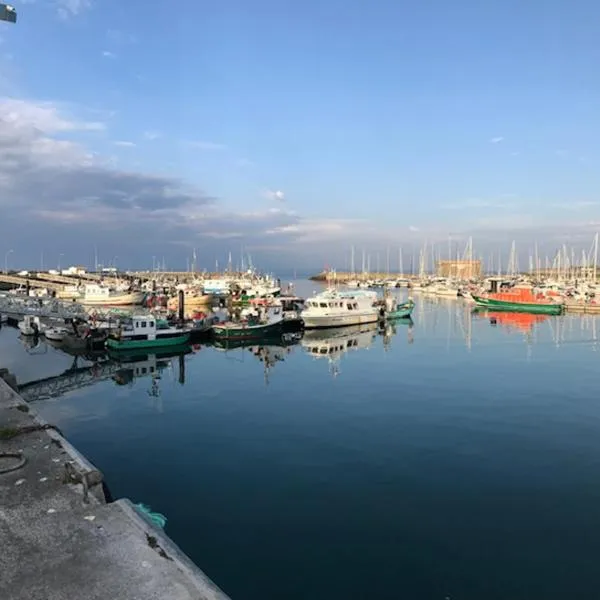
{"type": "Point", "coordinates": [436, 320]}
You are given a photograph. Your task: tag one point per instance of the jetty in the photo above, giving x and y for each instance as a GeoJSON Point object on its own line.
{"type": "Point", "coordinates": [63, 536]}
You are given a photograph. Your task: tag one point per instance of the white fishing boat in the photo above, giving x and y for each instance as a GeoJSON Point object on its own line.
{"type": "Point", "coordinates": [192, 298]}
{"type": "Point", "coordinates": [102, 295]}
{"type": "Point", "coordinates": [338, 309]}
{"type": "Point", "coordinates": [56, 334]}
{"type": "Point", "coordinates": [69, 292]}
{"type": "Point", "coordinates": [30, 325]}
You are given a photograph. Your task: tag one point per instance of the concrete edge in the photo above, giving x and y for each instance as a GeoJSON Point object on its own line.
{"type": "Point", "coordinates": [83, 463]}
{"type": "Point", "coordinates": [205, 586]}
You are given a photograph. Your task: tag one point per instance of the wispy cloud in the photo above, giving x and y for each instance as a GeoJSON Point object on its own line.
{"type": "Point", "coordinates": [277, 195]}
{"type": "Point", "coordinates": [109, 54]}
{"type": "Point", "coordinates": [413, 228]}
{"type": "Point", "coordinates": [72, 8]}
{"type": "Point", "coordinates": [151, 135]}
{"type": "Point", "coordinates": [205, 145]}
{"type": "Point", "coordinates": [44, 116]}
{"type": "Point", "coordinates": [124, 144]}
{"type": "Point", "coordinates": [496, 140]}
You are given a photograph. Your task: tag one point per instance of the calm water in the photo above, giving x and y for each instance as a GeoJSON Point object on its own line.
{"type": "Point", "coordinates": [455, 458]}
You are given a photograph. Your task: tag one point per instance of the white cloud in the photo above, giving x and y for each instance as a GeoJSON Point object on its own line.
{"type": "Point", "coordinates": [72, 8]}
{"type": "Point", "coordinates": [277, 195]}
{"type": "Point", "coordinates": [124, 144]}
{"type": "Point", "coordinates": [43, 116]}
{"type": "Point", "coordinates": [496, 140]}
{"type": "Point", "coordinates": [151, 135]}
{"type": "Point", "coordinates": [109, 54]}
{"type": "Point", "coordinates": [204, 145]}
{"type": "Point", "coordinates": [413, 228]}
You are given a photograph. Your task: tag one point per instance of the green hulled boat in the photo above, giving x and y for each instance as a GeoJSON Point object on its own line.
{"type": "Point", "coordinates": [146, 332]}
{"type": "Point", "coordinates": [402, 311]}
{"type": "Point", "coordinates": [542, 308]}
{"type": "Point", "coordinates": [248, 331]}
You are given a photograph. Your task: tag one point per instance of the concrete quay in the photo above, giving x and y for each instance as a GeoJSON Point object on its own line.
{"type": "Point", "coordinates": [61, 540]}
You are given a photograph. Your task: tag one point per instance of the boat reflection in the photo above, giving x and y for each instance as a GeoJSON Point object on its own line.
{"type": "Point", "coordinates": [389, 329]}
{"type": "Point", "coordinates": [512, 321]}
{"type": "Point", "coordinates": [332, 344]}
{"type": "Point", "coordinates": [269, 353]}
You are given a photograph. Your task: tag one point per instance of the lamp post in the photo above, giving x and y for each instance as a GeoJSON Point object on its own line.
{"type": "Point", "coordinates": [6, 261]}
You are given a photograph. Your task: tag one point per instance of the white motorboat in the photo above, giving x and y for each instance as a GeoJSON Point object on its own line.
{"type": "Point", "coordinates": [3, 319]}
{"type": "Point", "coordinates": [56, 334]}
{"type": "Point", "coordinates": [335, 309]}
{"type": "Point", "coordinates": [30, 325]}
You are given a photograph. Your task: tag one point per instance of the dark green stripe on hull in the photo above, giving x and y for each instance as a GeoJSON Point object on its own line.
{"type": "Point", "coordinates": [541, 309]}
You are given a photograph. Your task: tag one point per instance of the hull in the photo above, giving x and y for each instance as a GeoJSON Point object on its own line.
{"type": "Point", "coordinates": [527, 307]}
{"type": "Point", "coordinates": [402, 312]}
{"type": "Point", "coordinates": [159, 342]}
{"type": "Point", "coordinates": [248, 332]}
{"type": "Point", "coordinates": [120, 300]}
{"type": "Point", "coordinates": [190, 302]}
{"type": "Point", "coordinates": [55, 335]}
{"type": "Point", "coordinates": [318, 322]}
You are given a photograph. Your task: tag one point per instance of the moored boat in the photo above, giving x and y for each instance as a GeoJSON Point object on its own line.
{"type": "Point", "coordinates": [145, 331]}
{"type": "Point", "coordinates": [56, 334]}
{"type": "Point", "coordinates": [100, 295]}
{"type": "Point", "coordinates": [401, 311]}
{"type": "Point", "coordinates": [30, 325]}
{"type": "Point", "coordinates": [520, 300]}
{"type": "Point", "coordinates": [338, 309]}
{"type": "Point", "coordinates": [248, 330]}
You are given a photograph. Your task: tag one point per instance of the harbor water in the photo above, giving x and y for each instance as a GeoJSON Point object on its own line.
{"type": "Point", "coordinates": [455, 456]}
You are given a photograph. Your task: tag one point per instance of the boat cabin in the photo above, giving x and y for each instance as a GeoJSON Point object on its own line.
{"type": "Point", "coordinates": [337, 304]}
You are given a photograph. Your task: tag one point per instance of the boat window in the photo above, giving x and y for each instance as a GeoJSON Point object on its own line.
{"type": "Point", "coordinates": [355, 305]}
{"type": "Point", "coordinates": [349, 306]}
{"type": "Point", "coordinates": [143, 324]}
{"type": "Point", "coordinates": [151, 324]}
{"type": "Point", "coordinates": [323, 351]}
{"type": "Point", "coordinates": [323, 304]}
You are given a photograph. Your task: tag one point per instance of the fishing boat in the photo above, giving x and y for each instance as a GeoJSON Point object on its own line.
{"type": "Point", "coordinates": [145, 331]}
{"type": "Point", "coordinates": [337, 309]}
{"type": "Point", "coordinates": [191, 299]}
{"type": "Point", "coordinates": [101, 295]}
{"type": "Point", "coordinates": [401, 311]}
{"type": "Point", "coordinates": [30, 325]}
{"type": "Point", "coordinates": [520, 299]}
{"type": "Point", "coordinates": [56, 334]}
{"type": "Point", "coordinates": [248, 330]}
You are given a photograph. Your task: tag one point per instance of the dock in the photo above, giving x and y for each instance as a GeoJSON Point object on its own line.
{"type": "Point", "coordinates": [62, 538]}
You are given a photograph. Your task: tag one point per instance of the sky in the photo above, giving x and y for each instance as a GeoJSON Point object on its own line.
{"type": "Point", "coordinates": [292, 131]}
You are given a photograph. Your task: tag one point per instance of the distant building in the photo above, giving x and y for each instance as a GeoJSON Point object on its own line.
{"type": "Point", "coordinates": [460, 269]}
{"type": "Point", "coordinates": [74, 271]}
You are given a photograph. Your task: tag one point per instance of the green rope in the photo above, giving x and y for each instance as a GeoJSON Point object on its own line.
{"type": "Point", "coordinates": [155, 517]}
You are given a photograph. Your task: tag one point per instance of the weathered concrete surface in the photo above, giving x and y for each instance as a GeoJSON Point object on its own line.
{"type": "Point", "coordinates": [60, 543]}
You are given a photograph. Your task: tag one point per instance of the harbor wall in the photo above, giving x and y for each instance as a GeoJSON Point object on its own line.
{"type": "Point", "coordinates": [63, 539]}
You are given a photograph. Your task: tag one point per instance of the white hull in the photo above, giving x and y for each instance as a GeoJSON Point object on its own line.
{"type": "Point", "coordinates": [55, 334]}
{"type": "Point", "coordinates": [116, 300]}
{"type": "Point", "coordinates": [26, 329]}
{"type": "Point", "coordinates": [316, 321]}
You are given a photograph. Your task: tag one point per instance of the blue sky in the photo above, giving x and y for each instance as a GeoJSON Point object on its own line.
{"type": "Point", "coordinates": [296, 130]}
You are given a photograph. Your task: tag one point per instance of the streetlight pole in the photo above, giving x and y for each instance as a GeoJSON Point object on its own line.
{"type": "Point", "coordinates": [6, 261]}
